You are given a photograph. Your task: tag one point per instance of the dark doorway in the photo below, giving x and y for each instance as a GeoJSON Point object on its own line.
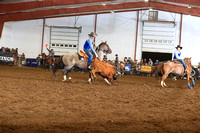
{"type": "Point", "coordinates": [157, 56]}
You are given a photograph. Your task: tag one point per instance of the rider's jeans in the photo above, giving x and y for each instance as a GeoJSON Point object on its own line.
{"type": "Point", "coordinates": [183, 62]}
{"type": "Point", "coordinates": [87, 51]}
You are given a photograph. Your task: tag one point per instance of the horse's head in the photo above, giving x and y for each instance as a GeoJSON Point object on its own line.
{"type": "Point", "coordinates": [188, 61]}
{"type": "Point", "coordinates": [104, 47]}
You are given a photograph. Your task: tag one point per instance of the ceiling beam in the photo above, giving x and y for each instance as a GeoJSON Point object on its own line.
{"type": "Point", "coordinates": [187, 2]}
{"type": "Point", "coordinates": [16, 7]}
{"type": "Point", "coordinates": [64, 11]}
{"type": "Point", "coordinates": [98, 9]}
{"type": "Point", "coordinates": [176, 9]}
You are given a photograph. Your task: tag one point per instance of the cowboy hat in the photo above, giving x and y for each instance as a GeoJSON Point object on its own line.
{"type": "Point", "coordinates": [178, 46]}
{"type": "Point", "coordinates": [92, 34]}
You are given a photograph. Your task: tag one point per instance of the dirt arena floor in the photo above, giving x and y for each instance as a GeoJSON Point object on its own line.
{"type": "Point", "coordinates": [32, 101]}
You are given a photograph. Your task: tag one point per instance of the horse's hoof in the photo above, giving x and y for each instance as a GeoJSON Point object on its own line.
{"type": "Point", "coordinates": [109, 83]}
{"type": "Point", "coordinates": [63, 80]}
{"type": "Point", "coordinates": [189, 87]}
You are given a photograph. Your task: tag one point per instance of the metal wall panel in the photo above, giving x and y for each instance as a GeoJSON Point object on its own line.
{"type": "Point", "coordinates": [158, 37]}
{"type": "Point", "coordinates": [64, 39]}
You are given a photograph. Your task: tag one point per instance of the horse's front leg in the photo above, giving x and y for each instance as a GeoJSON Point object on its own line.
{"type": "Point", "coordinates": [188, 79]}
{"type": "Point", "coordinates": [193, 83]}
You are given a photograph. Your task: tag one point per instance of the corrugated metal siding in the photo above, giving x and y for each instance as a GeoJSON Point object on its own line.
{"type": "Point", "coordinates": [64, 40]}
{"type": "Point", "coordinates": [158, 37]}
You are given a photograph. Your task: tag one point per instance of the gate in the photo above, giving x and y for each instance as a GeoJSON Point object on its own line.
{"type": "Point", "coordinates": [64, 39]}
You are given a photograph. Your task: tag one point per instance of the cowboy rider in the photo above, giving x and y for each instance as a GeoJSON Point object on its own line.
{"type": "Point", "coordinates": [51, 53]}
{"type": "Point", "coordinates": [177, 56]}
{"type": "Point", "coordinates": [89, 46]}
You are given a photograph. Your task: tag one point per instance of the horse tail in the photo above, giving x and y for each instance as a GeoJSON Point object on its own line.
{"type": "Point", "coordinates": [159, 69]}
{"type": "Point", "coordinates": [162, 69]}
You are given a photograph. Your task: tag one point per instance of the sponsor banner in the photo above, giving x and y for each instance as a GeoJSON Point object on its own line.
{"type": "Point", "coordinates": [7, 59]}
{"type": "Point", "coordinates": [146, 69]}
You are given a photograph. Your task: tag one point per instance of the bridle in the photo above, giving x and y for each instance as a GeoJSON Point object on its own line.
{"type": "Point", "coordinates": [98, 48]}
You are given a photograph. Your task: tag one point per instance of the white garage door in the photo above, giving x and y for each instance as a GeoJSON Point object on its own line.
{"type": "Point", "coordinates": [64, 39]}
{"type": "Point", "coordinates": [158, 36]}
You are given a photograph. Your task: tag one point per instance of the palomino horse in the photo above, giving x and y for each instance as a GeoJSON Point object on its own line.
{"type": "Point", "coordinates": [172, 67]}
{"type": "Point", "coordinates": [71, 60]}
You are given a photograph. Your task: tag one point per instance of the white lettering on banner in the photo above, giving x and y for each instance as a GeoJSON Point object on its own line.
{"type": "Point", "coordinates": [4, 58]}
{"type": "Point", "coordinates": [127, 68]}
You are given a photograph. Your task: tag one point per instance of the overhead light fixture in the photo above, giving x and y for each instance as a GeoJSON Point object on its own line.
{"type": "Point", "coordinates": [146, 0]}
{"type": "Point", "coordinates": [150, 9]}
{"type": "Point", "coordinates": [103, 4]}
{"type": "Point", "coordinates": [112, 11]}
{"type": "Point", "coordinates": [189, 6]}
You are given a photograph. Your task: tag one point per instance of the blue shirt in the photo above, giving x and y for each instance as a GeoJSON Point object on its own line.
{"type": "Point", "coordinates": [88, 44]}
{"type": "Point", "coordinates": [177, 55]}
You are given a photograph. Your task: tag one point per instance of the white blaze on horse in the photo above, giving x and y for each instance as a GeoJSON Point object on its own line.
{"type": "Point", "coordinates": [71, 60]}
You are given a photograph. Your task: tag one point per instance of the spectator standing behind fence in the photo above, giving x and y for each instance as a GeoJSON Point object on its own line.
{"type": "Point", "coordinates": [156, 63]}
{"type": "Point", "coordinates": [130, 61]}
{"type": "Point", "coordinates": [3, 50]}
{"type": "Point", "coordinates": [141, 62]}
{"type": "Point", "coordinates": [105, 58]}
{"type": "Point", "coordinates": [23, 56]}
{"type": "Point", "coordinates": [116, 60]}
{"type": "Point", "coordinates": [125, 59]}
{"type": "Point", "coordinates": [145, 61]}
{"type": "Point", "coordinates": [38, 60]}
{"type": "Point", "coordinates": [150, 62]}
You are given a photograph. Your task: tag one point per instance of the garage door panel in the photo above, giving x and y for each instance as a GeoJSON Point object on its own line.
{"type": "Point", "coordinates": [159, 29]}
{"type": "Point", "coordinates": [158, 37]}
{"type": "Point", "coordinates": [64, 39]}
